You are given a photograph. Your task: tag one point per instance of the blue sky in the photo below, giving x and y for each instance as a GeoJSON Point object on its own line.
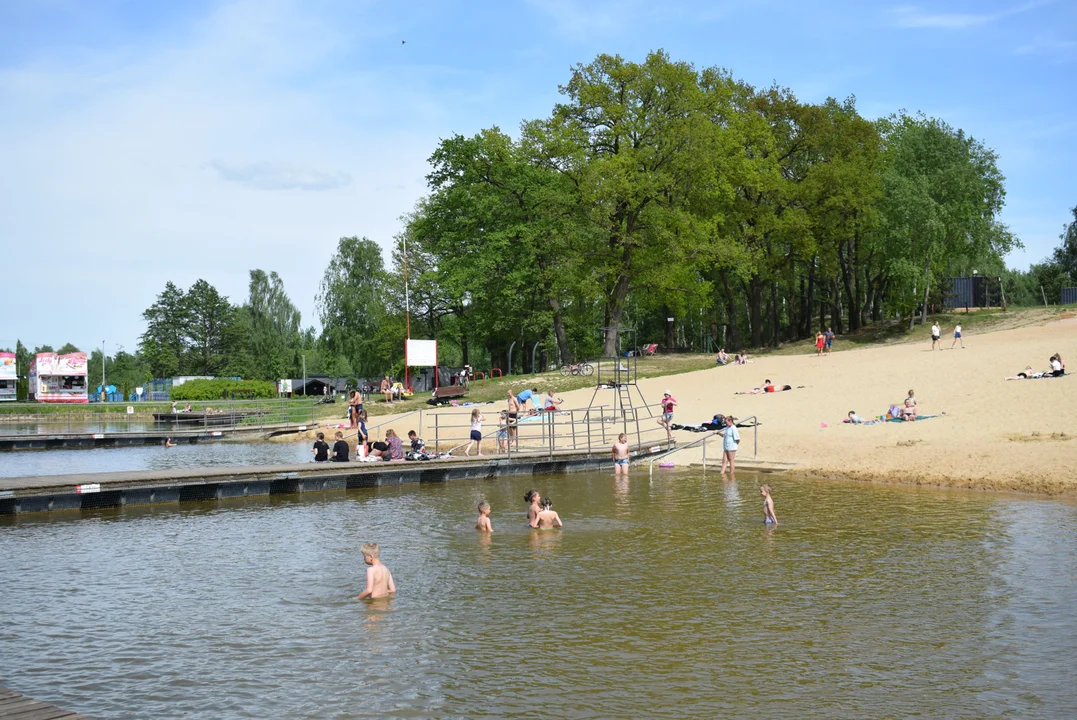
{"type": "Point", "coordinates": [143, 142]}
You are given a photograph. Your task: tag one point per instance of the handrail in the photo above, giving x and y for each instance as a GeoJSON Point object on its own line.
{"type": "Point", "coordinates": [710, 436]}
{"type": "Point", "coordinates": [369, 428]}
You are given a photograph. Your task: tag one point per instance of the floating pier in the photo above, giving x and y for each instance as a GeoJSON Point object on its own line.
{"type": "Point", "coordinates": [85, 440]}
{"type": "Point", "coordinates": [53, 493]}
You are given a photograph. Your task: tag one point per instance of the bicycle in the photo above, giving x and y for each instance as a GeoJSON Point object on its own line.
{"type": "Point", "coordinates": [580, 368]}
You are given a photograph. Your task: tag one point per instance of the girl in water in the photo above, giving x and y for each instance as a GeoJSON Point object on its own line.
{"type": "Point", "coordinates": [768, 506]}
{"type": "Point", "coordinates": [547, 518]}
{"type": "Point", "coordinates": [532, 497]}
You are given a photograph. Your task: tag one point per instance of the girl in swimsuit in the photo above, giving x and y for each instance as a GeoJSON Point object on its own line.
{"type": "Point", "coordinates": [532, 497]}
{"type": "Point", "coordinates": [768, 506]}
{"type": "Point", "coordinates": [547, 519]}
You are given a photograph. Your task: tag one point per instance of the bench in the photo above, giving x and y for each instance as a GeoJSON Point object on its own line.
{"type": "Point", "coordinates": [445, 393]}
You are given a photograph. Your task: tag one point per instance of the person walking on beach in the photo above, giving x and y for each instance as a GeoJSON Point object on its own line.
{"type": "Point", "coordinates": [829, 340]}
{"type": "Point", "coordinates": [476, 432]}
{"type": "Point", "coordinates": [820, 341]}
{"type": "Point", "coordinates": [957, 336]}
{"type": "Point", "coordinates": [379, 581]}
{"type": "Point", "coordinates": [936, 335]}
{"type": "Point", "coordinates": [668, 403]}
{"type": "Point", "coordinates": [768, 506]}
{"type": "Point", "coordinates": [730, 441]}
{"type": "Point", "coordinates": [620, 453]}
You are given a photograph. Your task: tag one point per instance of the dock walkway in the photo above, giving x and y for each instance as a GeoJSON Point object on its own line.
{"type": "Point", "coordinates": [50, 493]}
{"type": "Point", "coordinates": [16, 706]}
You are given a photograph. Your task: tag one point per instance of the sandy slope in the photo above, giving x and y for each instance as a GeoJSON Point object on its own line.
{"type": "Point", "coordinates": [1019, 435]}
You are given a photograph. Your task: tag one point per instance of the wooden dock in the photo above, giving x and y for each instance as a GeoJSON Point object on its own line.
{"type": "Point", "coordinates": [16, 706]}
{"type": "Point", "coordinates": [54, 493]}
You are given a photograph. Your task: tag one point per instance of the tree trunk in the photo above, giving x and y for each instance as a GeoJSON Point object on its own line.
{"type": "Point", "coordinates": [836, 322]}
{"type": "Point", "coordinates": [733, 338]}
{"type": "Point", "coordinates": [559, 329]}
{"type": "Point", "coordinates": [775, 315]}
{"type": "Point", "coordinates": [847, 284]}
{"type": "Point", "coordinates": [809, 304]}
{"type": "Point", "coordinates": [755, 310]}
{"type": "Point", "coordinates": [614, 311]}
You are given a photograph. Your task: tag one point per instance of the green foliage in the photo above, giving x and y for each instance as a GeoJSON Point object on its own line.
{"type": "Point", "coordinates": [217, 389]}
{"type": "Point", "coordinates": [352, 304]}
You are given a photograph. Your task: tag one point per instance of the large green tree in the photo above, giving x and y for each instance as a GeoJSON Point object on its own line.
{"type": "Point", "coordinates": [352, 304]}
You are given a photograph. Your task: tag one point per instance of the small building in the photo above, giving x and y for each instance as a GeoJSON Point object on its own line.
{"type": "Point", "coordinates": [58, 378]}
{"type": "Point", "coordinates": [9, 377]}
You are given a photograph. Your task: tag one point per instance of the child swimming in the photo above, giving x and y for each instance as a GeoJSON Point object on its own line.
{"type": "Point", "coordinates": [483, 523]}
{"type": "Point", "coordinates": [547, 519]}
{"type": "Point", "coordinates": [768, 506]}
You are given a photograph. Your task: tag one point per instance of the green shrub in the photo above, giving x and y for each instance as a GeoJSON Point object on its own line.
{"type": "Point", "coordinates": [220, 389]}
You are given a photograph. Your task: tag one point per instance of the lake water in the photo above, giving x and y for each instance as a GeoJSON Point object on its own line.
{"type": "Point", "coordinates": [666, 598]}
{"type": "Point", "coordinates": [20, 463]}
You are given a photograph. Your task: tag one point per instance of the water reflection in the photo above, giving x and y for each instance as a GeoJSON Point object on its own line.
{"type": "Point", "coordinates": [671, 596]}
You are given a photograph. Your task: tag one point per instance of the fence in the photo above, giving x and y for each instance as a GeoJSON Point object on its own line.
{"type": "Point", "coordinates": [592, 430]}
{"type": "Point", "coordinates": [1069, 296]}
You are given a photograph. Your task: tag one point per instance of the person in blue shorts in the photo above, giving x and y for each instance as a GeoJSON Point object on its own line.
{"type": "Point", "coordinates": [619, 453]}
{"type": "Point", "coordinates": [957, 337]}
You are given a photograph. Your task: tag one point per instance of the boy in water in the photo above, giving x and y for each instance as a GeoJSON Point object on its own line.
{"type": "Point", "coordinates": [547, 519]}
{"type": "Point", "coordinates": [768, 506]}
{"type": "Point", "coordinates": [483, 523]}
{"type": "Point", "coordinates": [379, 581]}
{"type": "Point", "coordinates": [620, 455]}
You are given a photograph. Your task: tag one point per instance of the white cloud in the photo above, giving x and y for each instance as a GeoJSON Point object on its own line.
{"type": "Point", "coordinates": [913, 16]}
{"type": "Point", "coordinates": [271, 176]}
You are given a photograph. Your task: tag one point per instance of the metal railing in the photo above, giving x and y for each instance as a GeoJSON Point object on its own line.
{"type": "Point", "coordinates": [710, 436]}
{"type": "Point", "coordinates": [592, 429]}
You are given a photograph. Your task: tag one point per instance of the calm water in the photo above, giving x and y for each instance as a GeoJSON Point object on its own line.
{"type": "Point", "coordinates": [152, 457]}
{"type": "Point", "coordinates": [60, 426]}
{"type": "Point", "coordinates": [665, 599]}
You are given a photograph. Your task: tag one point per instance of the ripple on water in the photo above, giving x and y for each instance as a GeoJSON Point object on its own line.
{"type": "Point", "coordinates": [664, 598]}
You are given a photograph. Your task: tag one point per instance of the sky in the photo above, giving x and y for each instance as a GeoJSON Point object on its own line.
{"type": "Point", "coordinates": [147, 142]}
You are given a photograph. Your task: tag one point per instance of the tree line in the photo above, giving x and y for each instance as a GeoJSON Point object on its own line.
{"type": "Point", "coordinates": [657, 202]}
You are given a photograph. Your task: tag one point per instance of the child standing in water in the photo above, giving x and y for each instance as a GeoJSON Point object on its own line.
{"type": "Point", "coordinates": [483, 523]}
{"type": "Point", "coordinates": [533, 498]}
{"type": "Point", "coordinates": [476, 432]}
{"type": "Point", "coordinates": [547, 519]}
{"type": "Point", "coordinates": [379, 581]}
{"type": "Point", "coordinates": [768, 506]}
{"type": "Point", "coordinates": [620, 455]}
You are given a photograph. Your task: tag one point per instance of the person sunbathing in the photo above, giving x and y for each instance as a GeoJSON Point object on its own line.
{"type": "Point", "coordinates": [1026, 374]}
{"type": "Point", "coordinates": [768, 387]}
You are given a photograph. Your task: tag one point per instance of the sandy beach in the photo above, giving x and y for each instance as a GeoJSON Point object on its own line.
{"type": "Point", "coordinates": [995, 434]}
{"type": "Point", "coordinates": [988, 433]}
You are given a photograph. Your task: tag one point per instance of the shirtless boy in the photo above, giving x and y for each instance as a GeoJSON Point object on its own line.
{"type": "Point", "coordinates": [379, 581]}
{"type": "Point", "coordinates": [483, 523]}
{"type": "Point", "coordinates": [619, 453]}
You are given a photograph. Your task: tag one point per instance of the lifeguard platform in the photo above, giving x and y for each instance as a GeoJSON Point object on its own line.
{"type": "Point", "coordinates": [617, 391]}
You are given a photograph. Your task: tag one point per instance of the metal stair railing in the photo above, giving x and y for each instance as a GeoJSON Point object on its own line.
{"type": "Point", "coordinates": [710, 436]}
